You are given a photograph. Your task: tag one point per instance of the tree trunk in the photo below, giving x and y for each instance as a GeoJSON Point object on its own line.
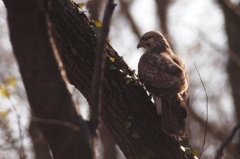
{"type": "Point", "coordinates": [46, 90]}
{"type": "Point", "coordinates": [232, 26]}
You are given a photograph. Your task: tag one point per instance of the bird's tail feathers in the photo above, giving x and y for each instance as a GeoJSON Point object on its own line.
{"type": "Point", "coordinates": [167, 122]}
{"type": "Point", "coordinates": [173, 122]}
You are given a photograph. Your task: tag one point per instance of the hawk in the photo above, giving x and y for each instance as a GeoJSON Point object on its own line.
{"type": "Point", "coordinates": [164, 76]}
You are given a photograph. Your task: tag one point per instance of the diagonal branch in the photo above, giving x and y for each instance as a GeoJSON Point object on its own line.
{"type": "Point", "coordinates": [125, 9]}
{"type": "Point", "coordinates": [226, 142]}
{"type": "Point", "coordinates": [98, 73]}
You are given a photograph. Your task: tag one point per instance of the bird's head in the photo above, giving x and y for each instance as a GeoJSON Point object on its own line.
{"type": "Point", "coordinates": [153, 39]}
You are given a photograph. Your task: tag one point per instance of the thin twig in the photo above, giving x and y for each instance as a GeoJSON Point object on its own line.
{"type": "Point", "coordinates": [206, 124]}
{"type": "Point", "coordinates": [226, 142]}
{"type": "Point", "coordinates": [98, 74]}
{"type": "Point", "coordinates": [56, 122]}
{"type": "Point", "coordinates": [22, 151]}
{"type": "Point", "coordinates": [211, 126]}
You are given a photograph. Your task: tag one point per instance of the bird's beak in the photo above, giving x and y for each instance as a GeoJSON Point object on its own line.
{"type": "Point", "coordinates": [139, 45]}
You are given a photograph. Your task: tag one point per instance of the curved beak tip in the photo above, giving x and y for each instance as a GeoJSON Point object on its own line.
{"type": "Point", "coordinates": [138, 46]}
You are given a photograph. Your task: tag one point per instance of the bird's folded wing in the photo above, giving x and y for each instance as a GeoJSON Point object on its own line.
{"type": "Point", "coordinates": [160, 71]}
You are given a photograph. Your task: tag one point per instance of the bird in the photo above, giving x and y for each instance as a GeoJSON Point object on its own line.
{"type": "Point", "coordinates": [164, 76]}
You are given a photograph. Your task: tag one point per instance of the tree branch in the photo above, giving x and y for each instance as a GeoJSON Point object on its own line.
{"type": "Point", "coordinates": [206, 123]}
{"type": "Point", "coordinates": [98, 73]}
{"type": "Point", "coordinates": [162, 7]}
{"type": "Point", "coordinates": [125, 9]}
{"type": "Point", "coordinates": [226, 142]}
{"type": "Point", "coordinates": [232, 25]}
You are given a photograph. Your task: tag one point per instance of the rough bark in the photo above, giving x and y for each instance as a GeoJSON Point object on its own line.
{"type": "Point", "coordinates": [122, 103]}
{"type": "Point", "coordinates": [232, 25]}
{"type": "Point", "coordinates": [46, 90]}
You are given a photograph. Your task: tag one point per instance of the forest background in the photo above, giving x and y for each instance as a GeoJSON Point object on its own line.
{"type": "Point", "coordinates": [201, 32]}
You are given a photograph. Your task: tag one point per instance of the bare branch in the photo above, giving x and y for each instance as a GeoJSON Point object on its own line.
{"type": "Point", "coordinates": [212, 129]}
{"type": "Point", "coordinates": [162, 7]}
{"type": "Point", "coordinates": [206, 124]}
{"type": "Point", "coordinates": [226, 142]}
{"type": "Point", "coordinates": [56, 122]}
{"type": "Point", "coordinates": [125, 9]}
{"type": "Point", "coordinates": [96, 92]}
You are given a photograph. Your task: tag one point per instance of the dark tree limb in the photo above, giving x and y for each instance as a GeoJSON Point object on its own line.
{"type": "Point", "coordinates": [162, 8]}
{"type": "Point", "coordinates": [227, 141]}
{"type": "Point", "coordinates": [125, 9]}
{"type": "Point", "coordinates": [99, 66]}
{"type": "Point", "coordinates": [232, 25]}
{"type": "Point", "coordinates": [47, 93]}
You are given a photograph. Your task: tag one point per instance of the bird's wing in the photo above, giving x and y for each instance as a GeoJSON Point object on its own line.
{"type": "Point", "coordinates": [170, 64]}
{"type": "Point", "coordinates": [159, 70]}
